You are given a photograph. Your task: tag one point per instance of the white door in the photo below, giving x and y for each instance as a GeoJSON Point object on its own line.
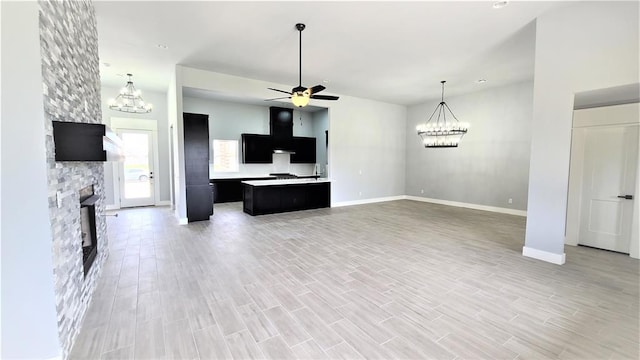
{"type": "Point", "coordinates": [610, 163]}
{"type": "Point", "coordinates": [136, 171]}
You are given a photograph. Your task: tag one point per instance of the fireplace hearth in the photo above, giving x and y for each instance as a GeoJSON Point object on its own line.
{"type": "Point", "coordinates": [88, 238]}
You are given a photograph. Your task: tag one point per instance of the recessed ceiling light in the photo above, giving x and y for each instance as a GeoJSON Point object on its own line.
{"type": "Point", "coordinates": [162, 46]}
{"type": "Point", "coordinates": [326, 81]}
{"type": "Point", "coordinates": [481, 81]}
{"type": "Point", "coordinates": [500, 4]}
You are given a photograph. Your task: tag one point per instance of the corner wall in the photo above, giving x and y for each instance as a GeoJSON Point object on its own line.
{"type": "Point", "coordinates": [320, 125]}
{"type": "Point", "coordinates": [29, 323]}
{"type": "Point", "coordinates": [579, 47]}
{"type": "Point", "coordinates": [491, 164]}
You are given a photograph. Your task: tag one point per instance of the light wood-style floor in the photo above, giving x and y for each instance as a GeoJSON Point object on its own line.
{"type": "Point", "coordinates": [400, 279]}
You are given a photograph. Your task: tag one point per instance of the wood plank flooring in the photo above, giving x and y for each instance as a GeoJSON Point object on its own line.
{"type": "Point", "coordinates": [394, 280]}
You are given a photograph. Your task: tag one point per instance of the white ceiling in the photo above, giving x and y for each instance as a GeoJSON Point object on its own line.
{"type": "Point", "coordinates": [395, 52]}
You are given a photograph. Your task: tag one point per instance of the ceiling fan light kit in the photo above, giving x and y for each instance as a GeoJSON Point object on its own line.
{"type": "Point", "coordinates": [440, 133]}
{"type": "Point", "coordinates": [300, 95]}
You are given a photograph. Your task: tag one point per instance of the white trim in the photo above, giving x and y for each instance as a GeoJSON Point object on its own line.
{"type": "Point", "coordinates": [553, 258]}
{"type": "Point", "coordinates": [468, 205]}
{"type": "Point", "coordinates": [183, 221]}
{"type": "Point", "coordinates": [626, 114]}
{"type": "Point", "coordinates": [163, 203]}
{"type": "Point", "coordinates": [112, 207]}
{"type": "Point", "coordinates": [367, 201]}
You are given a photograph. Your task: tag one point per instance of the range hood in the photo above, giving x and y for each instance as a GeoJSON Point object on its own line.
{"type": "Point", "coordinates": [281, 151]}
{"type": "Point", "coordinates": [281, 129]}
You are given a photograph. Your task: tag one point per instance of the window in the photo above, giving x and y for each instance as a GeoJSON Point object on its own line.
{"type": "Point", "coordinates": [225, 156]}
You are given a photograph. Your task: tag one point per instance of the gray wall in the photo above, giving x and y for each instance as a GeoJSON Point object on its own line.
{"type": "Point", "coordinates": [29, 323]}
{"type": "Point", "coordinates": [367, 150]}
{"type": "Point", "coordinates": [491, 164]}
{"type": "Point", "coordinates": [227, 120]}
{"type": "Point", "coordinates": [320, 125]}
{"type": "Point", "coordinates": [158, 114]}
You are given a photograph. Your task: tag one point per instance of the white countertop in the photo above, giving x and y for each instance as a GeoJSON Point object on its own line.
{"type": "Point", "coordinates": [285, 182]}
{"type": "Point", "coordinates": [239, 176]}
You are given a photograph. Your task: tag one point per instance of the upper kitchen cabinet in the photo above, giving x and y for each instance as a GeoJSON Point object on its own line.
{"type": "Point", "coordinates": [257, 149]}
{"type": "Point", "coordinates": [305, 150]}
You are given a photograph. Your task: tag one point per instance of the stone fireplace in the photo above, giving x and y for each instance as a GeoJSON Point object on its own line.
{"type": "Point", "coordinates": [71, 93]}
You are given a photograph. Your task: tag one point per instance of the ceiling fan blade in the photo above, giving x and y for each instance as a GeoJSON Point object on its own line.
{"type": "Point", "coordinates": [324, 97]}
{"type": "Point", "coordinates": [280, 98]}
{"type": "Point", "coordinates": [316, 89]}
{"type": "Point", "coordinates": [282, 91]}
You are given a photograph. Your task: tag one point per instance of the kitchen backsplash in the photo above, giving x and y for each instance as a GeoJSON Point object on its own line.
{"type": "Point", "coordinates": [281, 164]}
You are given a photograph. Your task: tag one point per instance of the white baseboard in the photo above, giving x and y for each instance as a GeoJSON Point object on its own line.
{"type": "Point", "coordinates": [553, 258]}
{"type": "Point", "coordinates": [468, 205]}
{"type": "Point", "coordinates": [367, 201]}
{"type": "Point", "coordinates": [159, 203]}
{"type": "Point", "coordinates": [183, 221]}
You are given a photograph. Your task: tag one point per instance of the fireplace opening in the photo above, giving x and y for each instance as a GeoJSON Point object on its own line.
{"type": "Point", "coordinates": [88, 238]}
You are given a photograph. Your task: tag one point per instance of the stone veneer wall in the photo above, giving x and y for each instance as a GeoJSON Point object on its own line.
{"type": "Point", "coordinates": [71, 84]}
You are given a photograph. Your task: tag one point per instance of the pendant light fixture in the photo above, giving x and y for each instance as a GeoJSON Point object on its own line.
{"type": "Point", "coordinates": [442, 132]}
{"type": "Point", "coordinates": [129, 100]}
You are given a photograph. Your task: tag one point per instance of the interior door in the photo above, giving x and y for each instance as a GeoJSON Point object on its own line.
{"type": "Point", "coordinates": [136, 171]}
{"type": "Point", "coordinates": [610, 161]}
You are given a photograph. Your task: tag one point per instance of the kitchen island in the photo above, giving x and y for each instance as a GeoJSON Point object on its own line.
{"type": "Point", "coordinates": [275, 196]}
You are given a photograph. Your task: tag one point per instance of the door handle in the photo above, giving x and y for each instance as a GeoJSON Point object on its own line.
{"type": "Point", "coordinates": [627, 197]}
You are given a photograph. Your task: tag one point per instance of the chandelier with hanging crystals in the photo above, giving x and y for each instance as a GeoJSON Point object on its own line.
{"type": "Point", "coordinates": [442, 132]}
{"type": "Point", "coordinates": [129, 100]}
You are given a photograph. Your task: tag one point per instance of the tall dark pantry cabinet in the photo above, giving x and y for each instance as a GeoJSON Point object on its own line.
{"type": "Point", "coordinates": [196, 164]}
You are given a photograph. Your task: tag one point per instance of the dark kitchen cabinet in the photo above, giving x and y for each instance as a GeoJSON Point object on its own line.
{"type": "Point", "coordinates": [293, 197]}
{"type": "Point", "coordinates": [227, 190]}
{"type": "Point", "coordinates": [230, 190]}
{"type": "Point", "coordinates": [257, 149]}
{"type": "Point", "coordinates": [305, 150]}
{"type": "Point", "coordinates": [270, 199]}
{"type": "Point", "coordinates": [196, 161]}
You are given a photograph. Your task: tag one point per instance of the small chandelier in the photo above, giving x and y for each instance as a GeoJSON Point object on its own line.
{"type": "Point", "coordinates": [441, 133]}
{"type": "Point", "coordinates": [129, 100]}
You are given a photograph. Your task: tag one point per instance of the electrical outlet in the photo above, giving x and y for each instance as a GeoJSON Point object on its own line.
{"type": "Point", "coordinates": [422, 191]}
{"type": "Point", "coordinates": [359, 172]}
{"type": "Point", "coordinates": [360, 193]}
{"type": "Point", "coordinates": [510, 201]}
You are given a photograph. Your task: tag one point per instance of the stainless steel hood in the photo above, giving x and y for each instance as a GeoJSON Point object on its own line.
{"type": "Point", "coordinates": [280, 151]}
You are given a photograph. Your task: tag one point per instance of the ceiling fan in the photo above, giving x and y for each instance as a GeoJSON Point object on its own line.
{"type": "Point", "coordinates": [301, 95]}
